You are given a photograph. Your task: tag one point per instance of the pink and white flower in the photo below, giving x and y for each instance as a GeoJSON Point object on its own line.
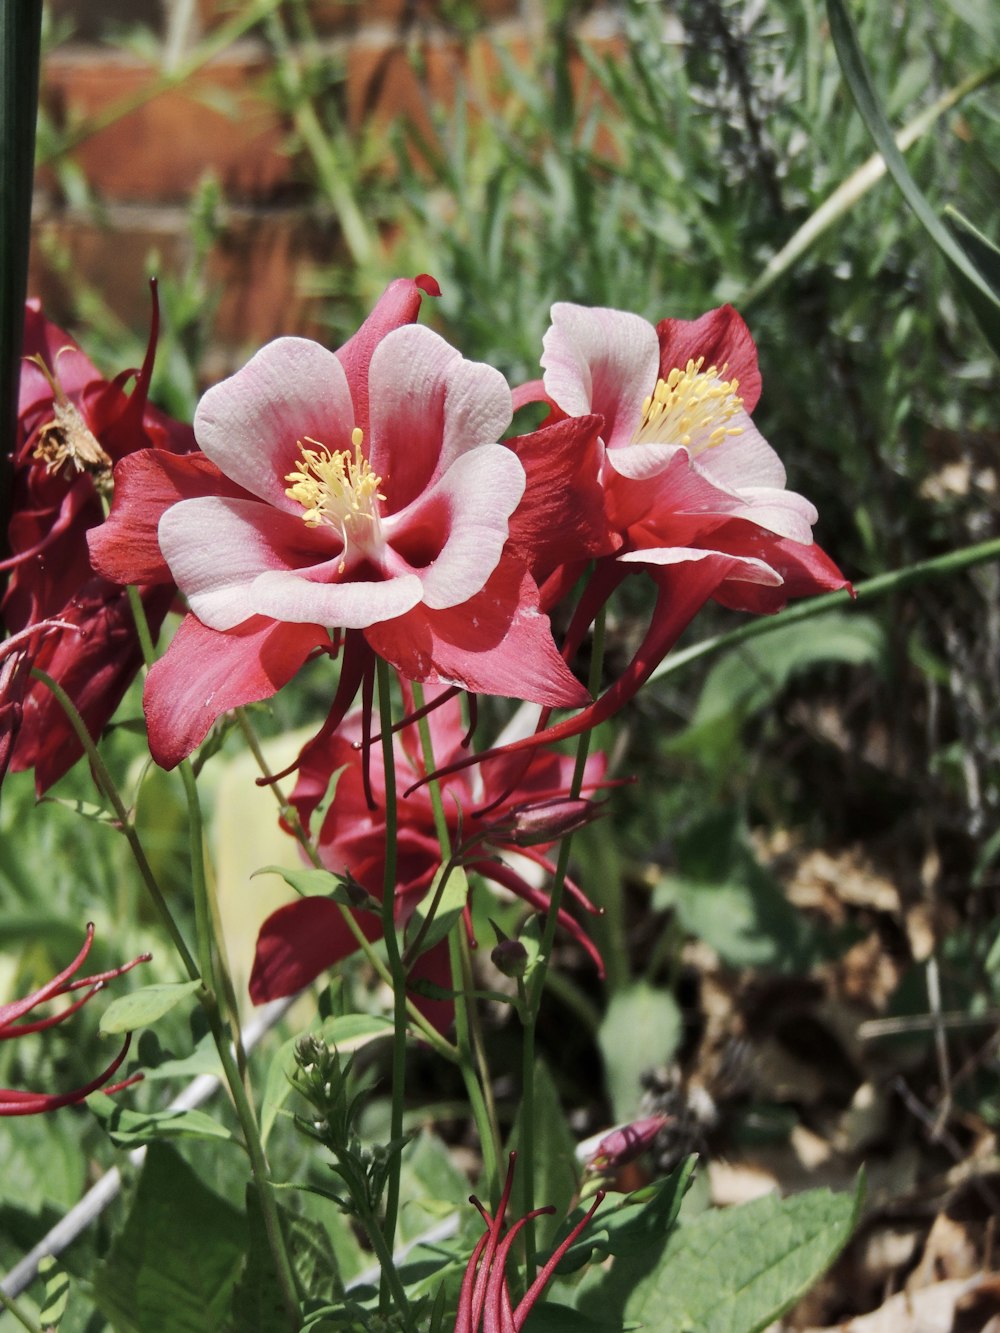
{"type": "Point", "coordinates": [693, 493]}
{"type": "Point", "coordinates": [363, 492]}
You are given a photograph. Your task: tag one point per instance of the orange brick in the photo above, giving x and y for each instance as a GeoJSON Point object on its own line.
{"type": "Point", "coordinates": [254, 272]}
{"type": "Point", "coordinates": [160, 150]}
{"type": "Point", "coordinates": [346, 17]}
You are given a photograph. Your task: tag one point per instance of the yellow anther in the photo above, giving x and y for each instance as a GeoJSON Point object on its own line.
{"type": "Point", "coordinates": [337, 489]}
{"type": "Point", "coordinates": [691, 407]}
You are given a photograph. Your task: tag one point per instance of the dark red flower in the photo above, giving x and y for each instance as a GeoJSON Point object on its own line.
{"type": "Point", "coordinates": [303, 938]}
{"type": "Point", "coordinates": [73, 426]}
{"type": "Point", "coordinates": [14, 1022]}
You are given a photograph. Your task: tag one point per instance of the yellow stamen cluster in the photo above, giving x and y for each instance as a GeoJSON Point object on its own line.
{"type": "Point", "coordinates": [691, 407]}
{"type": "Point", "coordinates": [337, 489]}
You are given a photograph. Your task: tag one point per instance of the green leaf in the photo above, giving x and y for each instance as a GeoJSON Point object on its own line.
{"type": "Point", "coordinates": [257, 1303]}
{"type": "Point", "coordinates": [552, 1318]}
{"type": "Point", "coordinates": [312, 883]}
{"type": "Point", "coordinates": [144, 1006]}
{"type": "Point", "coordinates": [632, 1228]}
{"type": "Point", "coordinates": [448, 910]}
{"type": "Point", "coordinates": [159, 1063]}
{"type": "Point", "coordinates": [641, 1029]}
{"type": "Point", "coordinates": [747, 679]}
{"type": "Point", "coordinates": [56, 1292]}
{"type": "Point", "coordinates": [430, 1183]}
{"type": "Point", "coordinates": [724, 896]}
{"type": "Point", "coordinates": [42, 1163]}
{"type": "Point", "coordinates": [736, 1270]}
{"type": "Point", "coordinates": [131, 1129]}
{"type": "Point", "coordinates": [557, 1171]}
{"type": "Point", "coordinates": [986, 257]}
{"type": "Point", "coordinates": [984, 301]}
{"type": "Point", "coordinates": [173, 1267]}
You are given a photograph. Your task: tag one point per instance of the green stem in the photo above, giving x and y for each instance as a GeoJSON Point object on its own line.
{"type": "Point", "coordinates": [233, 1063]}
{"type": "Point", "coordinates": [383, 1253]}
{"type": "Point", "coordinates": [478, 1093]}
{"type": "Point", "coordinates": [870, 590]}
{"type": "Point", "coordinates": [291, 817]}
{"type": "Point", "coordinates": [398, 974]}
{"type": "Point", "coordinates": [141, 625]}
{"type": "Point", "coordinates": [536, 983]}
{"type": "Point", "coordinates": [11, 1306]}
{"type": "Point", "coordinates": [106, 785]}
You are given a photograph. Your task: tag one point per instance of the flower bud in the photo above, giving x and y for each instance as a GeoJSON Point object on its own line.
{"type": "Point", "coordinates": [545, 821]}
{"type": "Point", "coordinates": [625, 1144]}
{"type": "Point", "coordinates": [511, 958]}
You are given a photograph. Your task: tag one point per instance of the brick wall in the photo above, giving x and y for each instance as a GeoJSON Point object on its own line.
{"type": "Point", "coordinates": [398, 58]}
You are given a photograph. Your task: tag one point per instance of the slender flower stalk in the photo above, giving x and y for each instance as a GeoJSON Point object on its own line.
{"type": "Point", "coordinates": [395, 967]}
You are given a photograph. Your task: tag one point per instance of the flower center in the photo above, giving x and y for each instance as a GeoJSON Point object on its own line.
{"type": "Point", "coordinates": [691, 407]}
{"type": "Point", "coordinates": [337, 489]}
{"type": "Point", "coordinates": [66, 443]}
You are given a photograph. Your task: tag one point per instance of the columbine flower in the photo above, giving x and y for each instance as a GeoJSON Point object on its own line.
{"type": "Point", "coordinates": [693, 493]}
{"type": "Point", "coordinates": [485, 1303]}
{"type": "Point", "coordinates": [362, 492]}
{"type": "Point", "coordinates": [15, 1023]}
{"type": "Point", "coordinates": [73, 425]}
{"type": "Point", "coordinates": [300, 940]}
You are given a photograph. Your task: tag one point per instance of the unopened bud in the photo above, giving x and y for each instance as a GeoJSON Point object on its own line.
{"type": "Point", "coordinates": [511, 958]}
{"type": "Point", "coordinates": [545, 821]}
{"type": "Point", "coordinates": [624, 1145]}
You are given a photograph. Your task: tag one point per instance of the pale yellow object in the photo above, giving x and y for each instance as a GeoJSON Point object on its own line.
{"type": "Point", "coordinates": [244, 836]}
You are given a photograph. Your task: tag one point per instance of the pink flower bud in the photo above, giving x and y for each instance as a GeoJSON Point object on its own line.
{"type": "Point", "coordinates": [545, 821]}
{"type": "Point", "coordinates": [625, 1144]}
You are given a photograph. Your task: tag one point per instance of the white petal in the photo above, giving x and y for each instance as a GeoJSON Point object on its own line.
{"type": "Point", "coordinates": [601, 360]}
{"type": "Point", "coordinates": [250, 425]}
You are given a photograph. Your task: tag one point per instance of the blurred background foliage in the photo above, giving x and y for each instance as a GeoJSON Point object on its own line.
{"type": "Point", "coordinates": [661, 169]}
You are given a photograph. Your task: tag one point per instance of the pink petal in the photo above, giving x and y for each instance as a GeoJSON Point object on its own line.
{"type": "Point", "coordinates": [722, 338]}
{"type": "Point", "coordinates": [126, 548]}
{"type": "Point", "coordinates": [477, 494]}
{"type": "Point", "coordinates": [399, 304]}
{"type": "Point", "coordinates": [743, 460]}
{"type": "Point", "coordinates": [217, 547]}
{"type": "Point", "coordinates": [251, 424]}
{"type": "Point", "coordinates": [497, 642]}
{"type": "Point", "coordinates": [204, 673]}
{"type": "Point", "coordinates": [600, 360]}
{"type": "Point", "coordinates": [742, 568]}
{"type": "Point", "coordinates": [428, 406]}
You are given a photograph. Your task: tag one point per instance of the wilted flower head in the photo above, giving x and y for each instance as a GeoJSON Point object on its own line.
{"type": "Point", "coordinates": [485, 1304]}
{"type": "Point", "coordinates": [14, 1022]}
{"type": "Point", "coordinates": [73, 426]}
